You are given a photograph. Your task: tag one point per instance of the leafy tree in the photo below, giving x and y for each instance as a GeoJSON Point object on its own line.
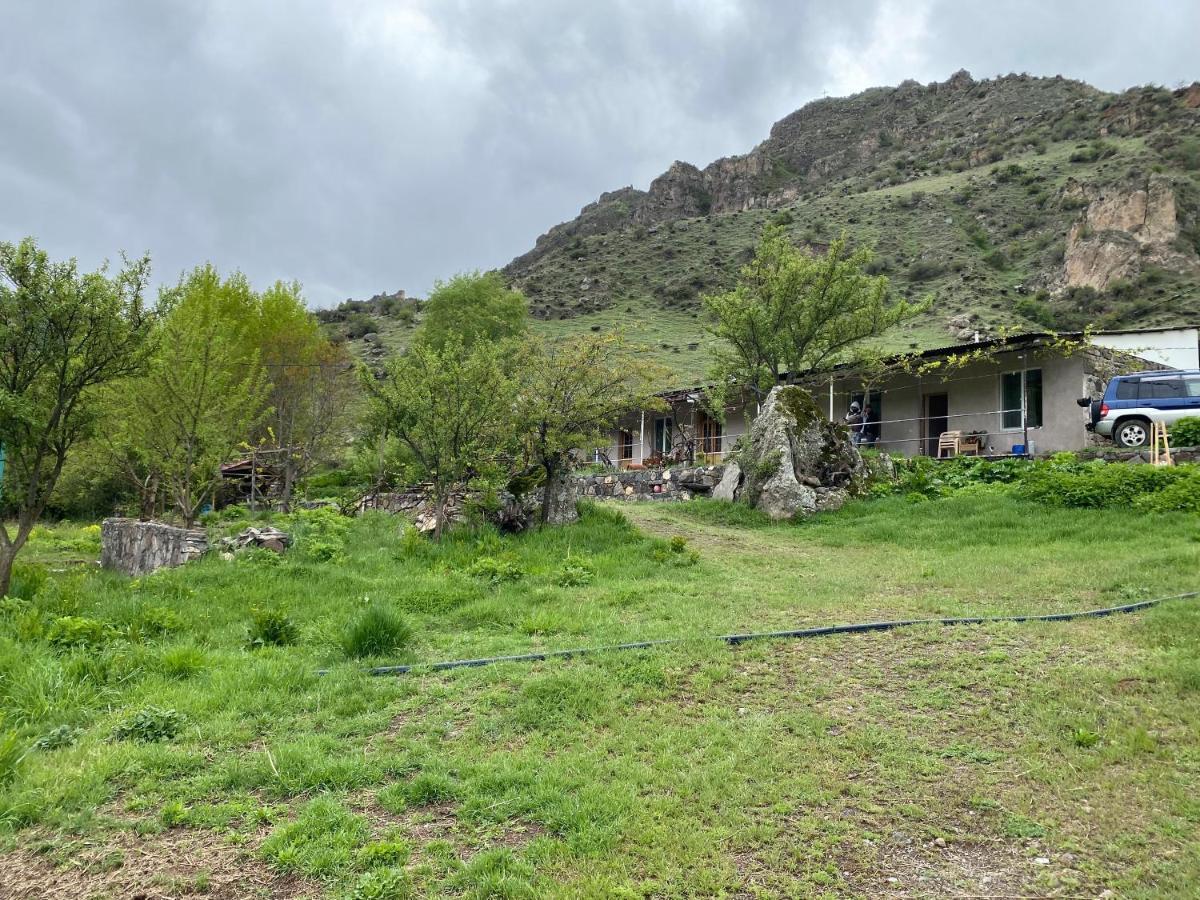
{"type": "Point", "coordinates": [793, 314]}
{"type": "Point", "coordinates": [471, 308]}
{"type": "Point", "coordinates": [570, 395]}
{"type": "Point", "coordinates": [204, 393]}
{"type": "Point", "coordinates": [312, 387]}
{"type": "Point", "coordinates": [62, 334]}
{"type": "Point", "coordinates": [450, 408]}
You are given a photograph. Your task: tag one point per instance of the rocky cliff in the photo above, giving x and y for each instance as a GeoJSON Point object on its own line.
{"type": "Point", "coordinates": [1000, 197]}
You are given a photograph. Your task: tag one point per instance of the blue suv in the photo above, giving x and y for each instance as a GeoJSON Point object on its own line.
{"type": "Point", "coordinates": [1132, 402]}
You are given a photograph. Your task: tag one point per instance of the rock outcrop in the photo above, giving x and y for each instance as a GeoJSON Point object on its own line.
{"type": "Point", "coordinates": [1121, 229]}
{"type": "Point", "coordinates": [797, 461]}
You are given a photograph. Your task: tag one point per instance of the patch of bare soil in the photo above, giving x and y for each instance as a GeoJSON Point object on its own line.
{"type": "Point", "coordinates": [978, 869]}
{"type": "Point", "coordinates": [178, 863]}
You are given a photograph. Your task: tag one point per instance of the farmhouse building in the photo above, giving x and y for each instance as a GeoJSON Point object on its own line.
{"type": "Point", "coordinates": [1003, 394]}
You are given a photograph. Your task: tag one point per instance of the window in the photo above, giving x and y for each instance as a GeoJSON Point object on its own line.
{"type": "Point", "coordinates": [1127, 390]}
{"type": "Point", "coordinates": [625, 445]}
{"type": "Point", "coordinates": [708, 430]}
{"type": "Point", "coordinates": [662, 434]}
{"type": "Point", "coordinates": [1159, 388]}
{"type": "Point", "coordinates": [1192, 384]}
{"type": "Point", "coordinates": [1010, 398]}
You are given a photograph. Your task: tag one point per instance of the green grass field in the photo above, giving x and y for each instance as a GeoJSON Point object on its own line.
{"type": "Point", "coordinates": [155, 739]}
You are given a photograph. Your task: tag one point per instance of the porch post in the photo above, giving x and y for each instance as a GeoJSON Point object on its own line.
{"type": "Point", "coordinates": [830, 398]}
{"type": "Point", "coordinates": [1024, 415]}
{"type": "Point", "coordinates": [642, 440]}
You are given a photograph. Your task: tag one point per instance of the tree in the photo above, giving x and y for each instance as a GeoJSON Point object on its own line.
{"type": "Point", "coordinates": [205, 390]}
{"type": "Point", "coordinates": [570, 395]}
{"type": "Point", "coordinates": [451, 409]}
{"type": "Point", "coordinates": [62, 334]}
{"type": "Point", "coordinates": [311, 383]}
{"type": "Point", "coordinates": [471, 308]}
{"type": "Point", "coordinates": [793, 314]}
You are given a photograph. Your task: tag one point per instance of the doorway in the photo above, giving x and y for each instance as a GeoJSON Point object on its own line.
{"type": "Point", "coordinates": [936, 420]}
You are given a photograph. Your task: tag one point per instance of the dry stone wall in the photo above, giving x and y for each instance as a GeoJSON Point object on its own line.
{"type": "Point", "coordinates": [138, 548]}
{"type": "Point", "coordinates": [651, 484]}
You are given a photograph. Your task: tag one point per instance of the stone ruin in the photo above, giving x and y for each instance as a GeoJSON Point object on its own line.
{"type": "Point", "coordinates": [139, 548]}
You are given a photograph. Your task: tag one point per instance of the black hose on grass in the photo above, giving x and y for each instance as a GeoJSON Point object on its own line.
{"type": "Point", "coordinates": [735, 639]}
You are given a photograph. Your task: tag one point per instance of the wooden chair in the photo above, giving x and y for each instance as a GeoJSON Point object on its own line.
{"type": "Point", "coordinates": [949, 441]}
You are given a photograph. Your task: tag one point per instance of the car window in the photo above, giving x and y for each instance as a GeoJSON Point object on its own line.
{"type": "Point", "coordinates": [1192, 383]}
{"type": "Point", "coordinates": [1161, 389]}
{"type": "Point", "coordinates": [1127, 390]}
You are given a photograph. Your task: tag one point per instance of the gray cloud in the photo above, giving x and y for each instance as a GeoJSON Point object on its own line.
{"type": "Point", "coordinates": [365, 145]}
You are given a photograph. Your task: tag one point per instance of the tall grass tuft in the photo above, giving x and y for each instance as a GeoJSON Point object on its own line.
{"type": "Point", "coordinates": [378, 630]}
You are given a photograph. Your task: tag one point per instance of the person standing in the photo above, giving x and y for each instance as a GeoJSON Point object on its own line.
{"type": "Point", "coordinates": [870, 426]}
{"type": "Point", "coordinates": [854, 419]}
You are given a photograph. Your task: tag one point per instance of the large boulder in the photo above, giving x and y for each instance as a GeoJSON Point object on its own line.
{"type": "Point", "coordinates": [797, 461]}
{"type": "Point", "coordinates": [729, 485]}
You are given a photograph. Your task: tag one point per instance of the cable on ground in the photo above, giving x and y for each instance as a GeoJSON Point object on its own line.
{"type": "Point", "coordinates": [795, 634]}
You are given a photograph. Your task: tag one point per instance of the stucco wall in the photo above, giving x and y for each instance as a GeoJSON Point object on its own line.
{"type": "Point", "coordinates": [974, 404]}
{"type": "Point", "coordinates": [1178, 348]}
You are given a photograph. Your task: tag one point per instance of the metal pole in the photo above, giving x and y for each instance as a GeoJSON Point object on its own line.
{"type": "Point", "coordinates": [642, 440]}
{"type": "Point", "coordinates": [831, 399]}
{"type": "Point", "coordinates": [1024, 411]}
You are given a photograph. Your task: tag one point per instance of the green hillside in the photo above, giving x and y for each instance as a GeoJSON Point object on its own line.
{"type": "Point", "coordinates": [1017, 201]}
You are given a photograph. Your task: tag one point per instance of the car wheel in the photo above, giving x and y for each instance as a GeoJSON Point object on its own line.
{"type": "Point", "coordinates": [1132, 433]}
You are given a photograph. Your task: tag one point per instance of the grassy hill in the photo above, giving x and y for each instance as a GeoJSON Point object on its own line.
{"type": "Point", "coordinates": [1016, 201]}
{"type": "Point", "coordinates": [169, 736]}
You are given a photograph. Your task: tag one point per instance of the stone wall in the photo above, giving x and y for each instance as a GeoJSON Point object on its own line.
{"type": "Point", "coordinates": [1116, 454]}
{"type": "Point", "coordinates": [138, 548]}
{"type": "Point", "coordinates": [651, 484]}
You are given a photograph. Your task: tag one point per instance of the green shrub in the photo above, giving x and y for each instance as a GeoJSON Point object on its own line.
{"type": "Point", "coordinates": [489, 568]}
{"type": "Point", "coordinates": [379, 630]}
{"type": "Point", "coordinates": [150, 725]}
{"type": "Point", "coordinates": [1180, 495]}
{"type": "Point", "coordinates": [56, 738]}
{"type": "Point", "coordinates": [26, 581]}
{"type": "Point", "coordinates": [676, 552]}
{"type": "Point", "coordinates": [77, 631]}
{"type": "Point", "coordinates": [321, 551]}
{"type": "Point", "coordinates": [1186, 432]}
{"type": "Point", "coordinates": [153, 622]}
{"type": "Point", "coordinates": [379, 854]}
{"type": "Point", "coordinates": [575, 573]}
{"type": "Point", "coordinates": [996, 259]}
{"type": "Point", "coordinates": [271, 627]}
{"type": "Point", "coordinates": [389, 883]}
{"type": "Point", "coordinates": [1097, 485]}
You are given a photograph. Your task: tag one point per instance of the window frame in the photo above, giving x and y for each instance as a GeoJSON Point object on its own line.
{"type": "Point", "coordinates": [1024, 399]}
{"type": "Point", "coordinates": [668, 426]}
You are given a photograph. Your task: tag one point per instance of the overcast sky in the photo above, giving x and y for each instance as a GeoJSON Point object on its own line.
{"type": "Point", "coordinates": [363, 145]}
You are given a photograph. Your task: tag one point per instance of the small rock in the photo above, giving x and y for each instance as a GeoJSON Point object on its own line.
{"type": "Point", "coordinates": [939, 842]}
{"type": "Point", "coordinates": [1041, 861]}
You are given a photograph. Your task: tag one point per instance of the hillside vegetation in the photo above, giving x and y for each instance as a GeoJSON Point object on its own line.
{"type": "Point", "coordinates": [1018, 201]}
